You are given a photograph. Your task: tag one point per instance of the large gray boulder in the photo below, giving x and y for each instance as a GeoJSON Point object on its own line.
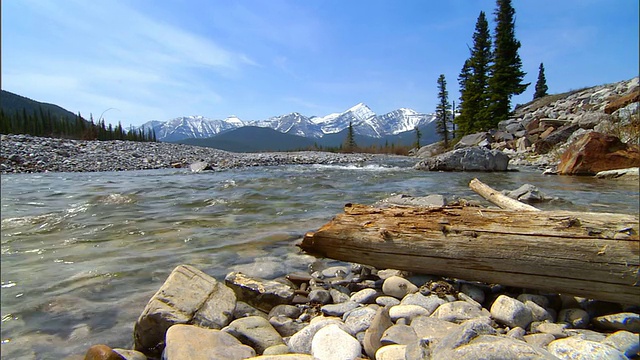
{"type": "Point", "coordinates": [467, 159]}
{"type": "Point", "coordinates": [188, 296]}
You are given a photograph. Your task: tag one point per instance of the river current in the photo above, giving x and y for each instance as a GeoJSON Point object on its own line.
{"type": "Point", "coordinates": [82, 253]}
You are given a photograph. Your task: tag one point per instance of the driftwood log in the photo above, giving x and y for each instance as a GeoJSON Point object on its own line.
{"type": "Point", "coordinates": [593, 255]}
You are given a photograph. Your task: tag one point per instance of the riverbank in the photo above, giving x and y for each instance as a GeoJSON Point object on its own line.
{"type": "Point", "coordinates": [29, 154]}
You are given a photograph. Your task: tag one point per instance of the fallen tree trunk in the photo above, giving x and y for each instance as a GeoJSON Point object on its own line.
{"type": "Point", "coordinates": [592, 255]}
{"type": "Point", "coordinates": [496, 197]}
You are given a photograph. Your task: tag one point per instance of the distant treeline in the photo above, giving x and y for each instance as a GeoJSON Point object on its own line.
{"type": "Point", "coordinates": [43, 123]}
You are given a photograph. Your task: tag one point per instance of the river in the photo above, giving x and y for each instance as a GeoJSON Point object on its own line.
{"type": "Point", "coordinates": [82, 253]}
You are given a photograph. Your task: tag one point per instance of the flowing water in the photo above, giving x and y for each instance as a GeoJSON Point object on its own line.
{"type": "Point", "coordinates": [82, 253]}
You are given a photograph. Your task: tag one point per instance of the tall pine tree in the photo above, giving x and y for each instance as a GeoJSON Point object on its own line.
{"type": "Point", "coordinates": [506, 71]}
{"type": "Point", "coordinates": [350, 141]}
{"type": "Point", "coordinates": [541, 84]}
{"type": "Point", "coordinates": [442, 111]}
{"type": "Point", "coordinates": [474, 82]}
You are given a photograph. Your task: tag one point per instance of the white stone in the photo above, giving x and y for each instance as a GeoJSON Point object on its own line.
{"type": "Point", "coordinates": [331, 342]}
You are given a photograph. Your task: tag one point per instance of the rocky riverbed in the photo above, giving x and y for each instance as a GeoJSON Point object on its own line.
{"type": "Point", "coordinates": [24, 153]}
{"type": "Point", "coordinates": [359, 312]}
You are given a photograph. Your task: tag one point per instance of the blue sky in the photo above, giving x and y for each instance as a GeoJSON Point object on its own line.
{"type": "Point", "coordinates": [160, 59]}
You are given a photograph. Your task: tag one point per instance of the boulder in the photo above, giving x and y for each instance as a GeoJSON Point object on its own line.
{"type": "Point", "coordinates": [187, 296]}
{"type": "Point", "coordinates": [473, 140]}
{"type": "Point", "coordinates": [595, 152]}
{"type": "Point", "coordinates": [621, 321]}
{"type": "Point", "coordinates": [263, 294]}
{"type": "Point", "coordinates": [459, 311]}
{"type": "Point", "coordinates": [626, 174]}
{"type": "Point", "coordinates": [430, 150]}
{"type": "Point", "coordinates": [621, 102]}
{"type": "Point", "coordinates": [560, 135]}
{"type": "Point", "coordinates": [527, 193]}
{"type": "Point", "coordinates": [467, 159]}
{"type": "Point", "coordinates": [199, 166]}
{"type": "Point", "coordinates": [495, 347]}
{"type": "Point", "coordinates": [188, 342]}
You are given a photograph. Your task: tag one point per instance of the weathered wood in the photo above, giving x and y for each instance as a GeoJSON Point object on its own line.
{"type": "Point", "coordinates": [594, 255]}
{"type": "Point", "coordinates": [495, 197]}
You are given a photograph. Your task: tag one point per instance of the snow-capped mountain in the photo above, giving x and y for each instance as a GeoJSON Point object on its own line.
{"type": "Point", "coordinates": [191, 127]}
{"type": "Point", "coordinates": [294, 124]}
{"type": "Point", "coordinates": [363, 119]}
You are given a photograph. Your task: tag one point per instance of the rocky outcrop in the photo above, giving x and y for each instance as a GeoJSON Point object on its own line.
{"type": "Point", "coordinates": [595, 152]}
{"type": "Point", "coordinates": [466, 159]}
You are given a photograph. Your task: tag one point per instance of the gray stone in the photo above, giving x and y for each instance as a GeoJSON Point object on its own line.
{"type": "Point", "coordinates": [267, 267]}
{"type": "Point", "coordinates": [586, 334]}
{"type": "Point", "coordinates": [381, 322]}
{"type": "Point", "coordinates": [331, 342]}
{"type": "Point", "coordinates": [338, 296]}
{"type": "Point", "coordinates": [473, 292]}
{"type": "Point", "coordinates": [417, 350]}
{"type": "Point", "coordinates": [473, 140]}
{"type": "Point", "coordinates": [430, 303]}
{"type": "Point", "coordinates": [579, 349]}
{"type": "Point", "coordinates": [254, 331]}
{"type": "Point", "coordinates": [463, 335]}
{"type": "Point", "coordinates": [621, 321]}
{"type": "Point", "coordinates": [320, 296]}
{"type": "Point", "coordinates": [517, 333]}
{"type": "Point", "coordinates": [398, 334]}
{"type": "Point", "coordinates": [199, 166]}
{"type": "Point", "coordinates": [407, 312]}
{"type": "Point", "coordinates": [630, 173]}
{"type": "Point", "coordinates": [538, 313]}
{"type": "Point", "coordinates": [494, 347]}
{"type": "Point", "coordinates": [398, 287]}
{"type": "Point", "coordinates": [286, 326]}
{"type": "Point", "coordinates": [384, 274]}
{"type": "Point", "coordinates": [289, 311]}
{"type": "Point", "coordinates": [300, 342]}
{"type": "Point", "coordinates": [278, 349]}
{"type": "Point", "coordinates": [539, 339]}
{"type": "Point", "coordinates": [626, 342]}
{"type": "Point", "coordinates": [511, 312]}
{"type": "Point", "coordinates": [557, 330]}
{"type": "Point", "coordinates": [459, 311]}
{"type": "Point", "coordinates": [541, 300]}
{"type": "Point", "coordinates": [365, 296]}
{"type": "Point", "coordinates": [338, 309]}
{"type": "Point", "coordinates": [263, 294]}
{"type": "Point", "coordinates": [467, 159]}
{"type": "Point", "coordinates": [243, 309]}
{"type": "Point", "coordinates": [387, 301]}
{"type": "Point", "coordinates": [527, 193]}
{"type": "Point", "coordinates": [432, 329]}
{"type": "Point", "coordinates": [187, 296]}
{"type": "Point", "coordinates": [576, 318]}
{"type": "Point", "coordinates": [193, 343]}
{"type": "Point", "coordinates": [391, 352]}
{"type": "Point", "coordinates": [283, 357]}
{"type": "Point", "coordinates": [359, 319]}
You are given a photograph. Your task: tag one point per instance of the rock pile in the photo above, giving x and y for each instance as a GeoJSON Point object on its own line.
{"type": "Point", "coordinates": [24, 153]}
{"type": "Point", "coordinates": [359, 312]}
{"type": "Point", "coordinates": [543, 129]}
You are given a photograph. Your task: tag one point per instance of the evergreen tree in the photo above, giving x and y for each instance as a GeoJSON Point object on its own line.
{"type": "Point", "coordinates": [418, 136]}
{"type": "Point", "coordinates": [442, 111]}
{"type": "Point", "coordinates": [506, 71]}
{"type": "Point", "coordinates": [350, 142]}
{"type": "Point", "coordinates": [541, 84]}
{"type": "Point", "coordinates": [474, 81]}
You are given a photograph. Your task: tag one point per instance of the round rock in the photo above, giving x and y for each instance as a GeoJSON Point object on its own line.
{"type": "Point", "coordinates": [511, 312]}
{"type": "Point", "coordinates": [398, 287]}
{"type": "Point", "coordinates": [331, 342]}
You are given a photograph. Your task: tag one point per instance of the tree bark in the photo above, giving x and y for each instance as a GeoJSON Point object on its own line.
{"type": "Point", "coordinates": [495, 197]}
{"type": "Point", "coordinates": [593, 255]}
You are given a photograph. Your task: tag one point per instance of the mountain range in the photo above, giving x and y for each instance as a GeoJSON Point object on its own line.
{"type": "Point", "coordinates": [364, 121]}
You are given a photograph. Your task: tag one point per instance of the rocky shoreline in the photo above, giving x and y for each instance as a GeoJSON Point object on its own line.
{"type": "Point", "coordinates": [359, 312]}
{"type": "Point", "coordinates": [28, 154]}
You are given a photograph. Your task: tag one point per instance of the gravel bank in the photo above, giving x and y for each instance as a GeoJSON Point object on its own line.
{"type": "Point", "coordinates": [28, 154]}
